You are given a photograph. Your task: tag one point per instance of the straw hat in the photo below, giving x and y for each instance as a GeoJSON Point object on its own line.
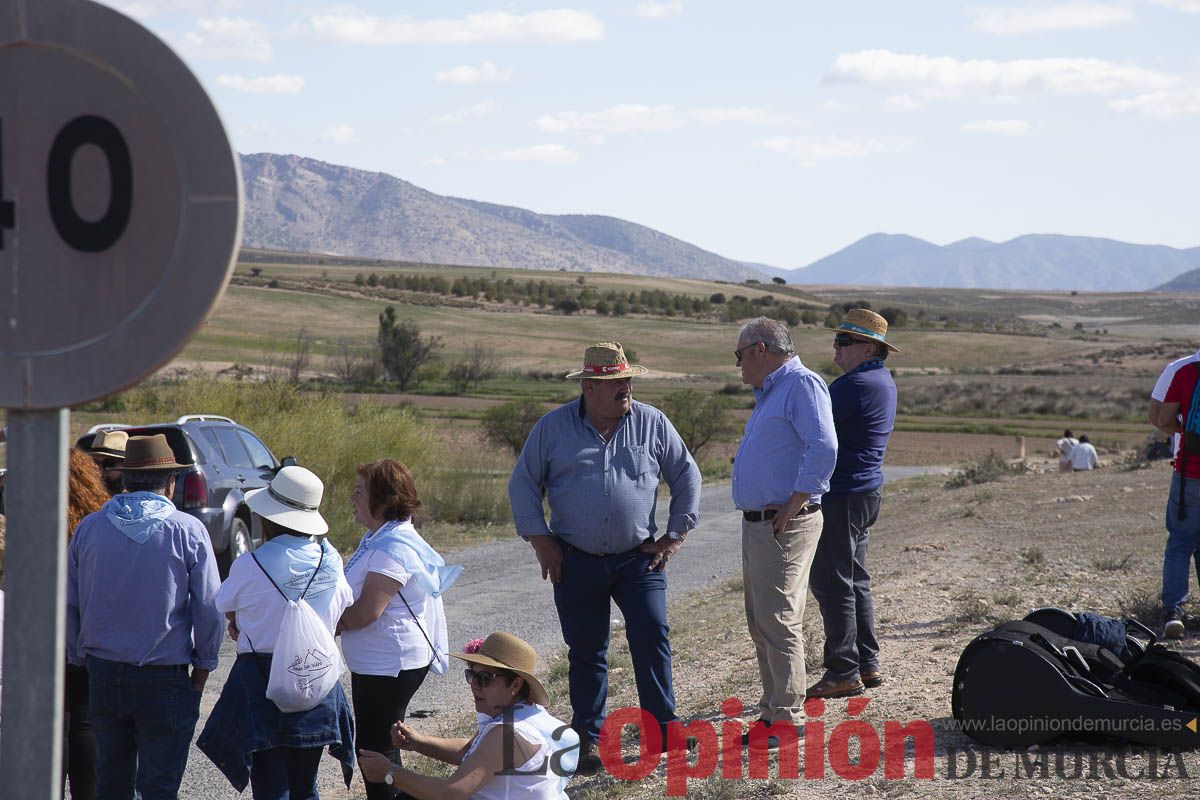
{"type": "Point", "coordinates": [866, 325]}
{"type": "Point", "coordinates": [505, 651]}
{"type": "Point", "coordinates": [110, 443]}
{"type": "Point", "coordinates": [292, 500]}
{"type": "Point", "coordinates": [147, 453]}
{"type": "Point", "coordinates": [606, 362]}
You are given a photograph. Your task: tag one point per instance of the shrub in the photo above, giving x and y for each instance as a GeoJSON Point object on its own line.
{"type": "Point", "coordinates": [508, 424]}
{"type": "Point", "coordinates": [402, 349]}
{"type": "Point", "coordinates": [317, 428]}
{"type": "Point", "coordinates": [989, 468]}
{"type": "Point", "coordinates": [698, 417]}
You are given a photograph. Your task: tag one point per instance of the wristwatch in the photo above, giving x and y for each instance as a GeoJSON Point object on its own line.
{"type": "Point", "coordinates": [388, 779]}
{"type": "Point", "coordinates": [676, 536]}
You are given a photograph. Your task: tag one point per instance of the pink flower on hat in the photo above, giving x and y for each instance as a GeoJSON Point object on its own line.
{"type": "Point", "coordinates": [473, 646]}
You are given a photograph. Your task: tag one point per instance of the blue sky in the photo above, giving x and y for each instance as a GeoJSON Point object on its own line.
{"type": "Point", "coordinates": [776, 132]}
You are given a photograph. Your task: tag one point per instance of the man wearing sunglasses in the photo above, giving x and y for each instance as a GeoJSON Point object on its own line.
{"type": "Point", "coordinates": [781, 469]}
{"type": "Point", "coordinates": [864, 411]}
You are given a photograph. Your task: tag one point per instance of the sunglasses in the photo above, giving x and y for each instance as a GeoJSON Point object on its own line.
{"type": "Point", "coordinates": [842, 340]}
{"type": "Point", "coordinates": [480, 677]}
{"type": "Point", "coordinates": [110, 464]}
{"type": "Point", "coordinates": [738, 353]}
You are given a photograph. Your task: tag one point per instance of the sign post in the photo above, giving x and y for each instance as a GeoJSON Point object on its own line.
{"type": "Point", "coordinates": [120, 204]}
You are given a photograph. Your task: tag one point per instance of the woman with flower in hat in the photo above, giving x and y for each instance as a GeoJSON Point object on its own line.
{"type": "Point", "coordinates": [247, 736]}
{"type": "Point", "coordinates": [519, 750]}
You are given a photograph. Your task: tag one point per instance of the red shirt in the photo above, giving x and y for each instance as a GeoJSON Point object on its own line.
{"type": "Point", "coordinates": [1183, 386]}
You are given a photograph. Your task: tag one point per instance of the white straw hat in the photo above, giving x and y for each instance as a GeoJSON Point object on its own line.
{"type": "Point", "coordinates": [293, 500]}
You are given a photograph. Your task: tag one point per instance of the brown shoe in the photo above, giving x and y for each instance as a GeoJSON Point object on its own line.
{"type": "Point", "coordinates": [826, 688]}
{"type": "Point", "coordinates": [872, 680]}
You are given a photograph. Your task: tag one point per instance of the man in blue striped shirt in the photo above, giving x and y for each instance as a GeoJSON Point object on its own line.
{"type": "Point", "coordinates": [781, 469]}
{"type": "Point", "coordinates": [599, 459]}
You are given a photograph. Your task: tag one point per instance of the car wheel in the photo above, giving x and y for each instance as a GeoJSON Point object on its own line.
{"type": "Point", "coordinates": [239, 544]}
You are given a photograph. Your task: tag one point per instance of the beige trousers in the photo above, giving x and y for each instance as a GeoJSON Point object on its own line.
{"type": "Point", "coordinates": [775, 579]}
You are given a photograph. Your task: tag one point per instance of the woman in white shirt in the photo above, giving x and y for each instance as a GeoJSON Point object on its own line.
{"type": "Point", "coordinates": [246, 735]}
{"type": "Point", "coordinates": [519, 750]}
{"type": "Point", "coordinates": [395, 631]}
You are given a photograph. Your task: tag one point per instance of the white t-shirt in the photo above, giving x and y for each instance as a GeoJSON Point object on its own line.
{"type": "Point", "coordinates": [1083, 456]}
{"type": "Point", "coordinates": [259, 607]}
{"type": "Point", "coordinates": [394, 642]}
{"type": "Point", "coordinates": [1164, 382]}
{"type": "Point", "coordinates": [1064, 449]}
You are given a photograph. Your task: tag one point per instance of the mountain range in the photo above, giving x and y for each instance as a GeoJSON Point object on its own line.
{"type": "Point", "coordinates": [300, 204]}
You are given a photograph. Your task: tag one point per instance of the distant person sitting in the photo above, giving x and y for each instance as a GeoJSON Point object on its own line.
{"type": "Point", "coordinates": [1083, 455]}
{"type": "Point", "coordinates": [1063, 447]}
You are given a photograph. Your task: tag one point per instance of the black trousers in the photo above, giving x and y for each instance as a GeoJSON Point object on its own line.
{"type": "Point", "coordinates": [378, 702]}
{"type": "Point", "coordinates": [79, 762]}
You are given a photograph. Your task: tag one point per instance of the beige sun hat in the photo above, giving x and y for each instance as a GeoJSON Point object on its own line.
{"type": "Point", "coordinates": [110, 443]}
{"type": "Point", "coordinates": [862, 323]}
{"type": "Point", "coordinates": [606, 361]}
{"type": "Point", "coordinates": [292, 500]}
{"type": "Point", "coordinates": [505, 651]}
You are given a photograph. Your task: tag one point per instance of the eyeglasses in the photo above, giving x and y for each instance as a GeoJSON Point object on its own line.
{"type": "Point", "coordinates": [480, 677]}
{"type": "Point", "coordinates": [738, 353]}
{"type": "Point", "coordinates": [842, 340]}
{"type": "Point", "coordinates": [110, 465]}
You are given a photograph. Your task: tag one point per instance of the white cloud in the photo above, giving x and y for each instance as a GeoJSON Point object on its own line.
{"type": "Point", "coordinates": [487, 72]}
{"type": "Point", "coordinates": [1007, 127]}
{"type": "Point", "coordinates": [810, 150]}
{"type": "Point", "coordinates": [945, 76]}
{"type": "Point", "coordinates": [228, 38]}
{"type": "Point", "coordinates": [432, 161]}
{"type": "Point", "coordinates": [544, 153]}
{"type": "Point", "coordinates": [268, 84]}
{"type": "Point", "coordinates": [903, 102]}
{"type": "Point", "coordinates": [1007, 21]}
{"type": "Point", "coordinates": [642, 119]}
{"type": "Point", "coordinates": [1164, 105]}
{"type": "Point", "coordinates": [652, 9]}
{"type": "Point", "coordinates": [1186, 6]}
{"type": "Point", "coordinates": [553, 26]}
{"type": "Point", "coordinates": [339, 134]}
{"type": "Point", "coordinates": [477, 111]}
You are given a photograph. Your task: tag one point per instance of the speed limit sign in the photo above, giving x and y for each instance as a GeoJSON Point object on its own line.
{"type": "Point", "coordinates": [120, 202]}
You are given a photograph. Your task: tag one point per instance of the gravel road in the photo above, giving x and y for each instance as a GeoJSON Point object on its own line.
{"type": "Point", "coordinates": [501, 589]}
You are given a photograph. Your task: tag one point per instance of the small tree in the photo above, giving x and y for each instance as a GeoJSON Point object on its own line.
{"type": "Point", "coordinates": [698, 417]}
{"type": "Point", "coordinates": [508, 424]}
{"type": "Point", "coordinates": [778, 280]}
{"type": "Point", "coordinates": [255, 272]}
{"type": "Point", "coordinates": [896, 317]}
{"type": "Point", "coordinates": [567, 305]}
{"type": "Point", "coordinates": [402, 349]}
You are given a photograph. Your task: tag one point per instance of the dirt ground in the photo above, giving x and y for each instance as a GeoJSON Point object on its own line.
{"type": "Point", "coordinates": [947, 564]}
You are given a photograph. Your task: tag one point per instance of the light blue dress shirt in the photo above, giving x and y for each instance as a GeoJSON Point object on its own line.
{"type": "Point", "coordinates": [603, 494]}
{"type": "Point", "coordinates": [790, 444]}
{"type": "Point", "coordinates": [148, 603]}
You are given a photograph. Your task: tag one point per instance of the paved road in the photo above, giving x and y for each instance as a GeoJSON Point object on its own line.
{"type": "Point", "coordinates": [501, 589]}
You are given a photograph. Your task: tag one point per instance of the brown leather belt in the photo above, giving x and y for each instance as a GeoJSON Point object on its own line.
{"type": "Point", "coordinates": [769, 514]}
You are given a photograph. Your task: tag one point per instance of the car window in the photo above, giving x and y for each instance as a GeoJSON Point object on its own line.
{"type": "Point", "coordinates": [231, 445]}
{"type": "Point", "coordinates": [259, 453]}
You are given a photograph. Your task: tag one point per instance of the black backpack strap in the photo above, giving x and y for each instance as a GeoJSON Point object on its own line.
{"type": "Point", "coordinates": [420, 627]}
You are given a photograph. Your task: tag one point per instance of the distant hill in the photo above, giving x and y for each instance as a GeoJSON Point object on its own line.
{"type": "Point", "coordinates": [1187, 282]}
{"type": "Point", "coordinates": [1036, 261]}
{"type": "Point", "coordinates": [299, 204]}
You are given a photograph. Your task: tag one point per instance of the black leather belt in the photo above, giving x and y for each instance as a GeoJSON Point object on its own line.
{"type": "Point", "coordinates": [769, 514]}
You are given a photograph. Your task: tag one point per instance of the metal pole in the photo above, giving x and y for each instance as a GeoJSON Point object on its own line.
{"type": "Point", "coordinates": [35, 560]}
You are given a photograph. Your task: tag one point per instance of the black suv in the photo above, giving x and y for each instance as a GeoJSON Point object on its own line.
{"type": "Point", "coordinates": [225, 460]}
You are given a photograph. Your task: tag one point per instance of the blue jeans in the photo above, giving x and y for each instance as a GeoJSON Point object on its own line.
{"type": "Point", "coordinates": [143, 719]}
{"type": "Point", "coordinates": [583, 597]}
{"type": "Point", "coordinates": [1183, 541]}
{"type": "Point", "coordinates": [285, 773]}
{"type": "Point", "coordinates": [842, 585]}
